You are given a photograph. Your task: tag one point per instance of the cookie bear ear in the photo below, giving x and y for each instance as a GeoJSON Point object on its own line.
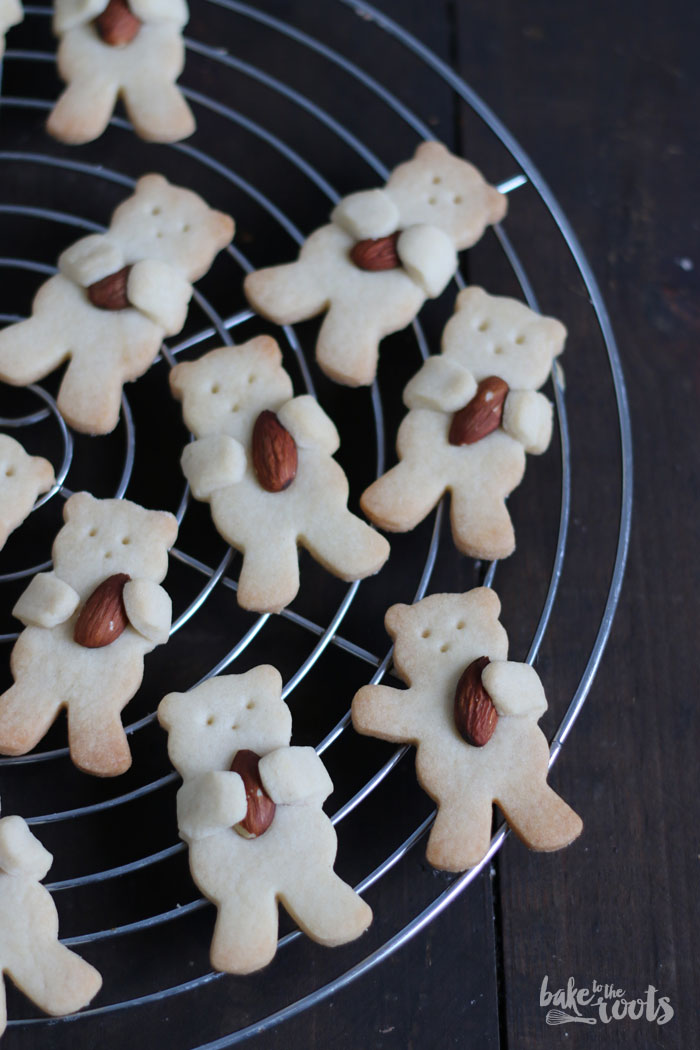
{"type": "Point", "coordinates": [497, 204]}
{"type": "Point", "coordinates": [152, 181]}
{"type": "Point", "coordinates": [165, 523]}
{"type": "Point", "coordinates": [395, 618]}
{"type": "Point", "coordinates": [80, 503]}
{"type": "Point", "coordinates": [433, 150]}
{"type": "Point", "coordinates": [168, 709]}
{"type": "Point", "coordinates": [485, 599]}
{"type": "Point", "coordinates": [179, 377]}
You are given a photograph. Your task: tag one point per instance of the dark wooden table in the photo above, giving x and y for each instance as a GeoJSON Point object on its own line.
{"type": "Point", "coordinates": [604, 100]}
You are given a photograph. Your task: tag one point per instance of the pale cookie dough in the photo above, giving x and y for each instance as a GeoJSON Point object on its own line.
{"type": "Point", "coordinates": [11, 14]}
{"type": "Point", "coordinates": [165, 237]}
{"type": "Point", "coordinates": [486, 336]}
{"type": "Point", "coordinates": [101, 538]}
{"type": "Point", "coordinates": [22, 479]}
{"type": "Point", "coordinates": [223, 393]}
{"type": "Point", "coordinates": [141, 71]}
{"type": "Point", "coordinates": [53, 977]}
{"type": "Point", "coordinates": [435, 641]}
{"type": "Point", "coordinates": [292, 861]}
{"type": "Point", "coordinates": [436, 204]}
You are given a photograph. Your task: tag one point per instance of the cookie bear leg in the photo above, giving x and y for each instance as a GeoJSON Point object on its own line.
{"type": "Point", "coordinates": [26, 714]}
{"type": "Point", "coordinates": [327, 909]}
{"type": "Point", "coordinates": [347, 349]}
{"type": "Point", "coordinates": [481, 525]}
{"type": "Point", "coordinates": [157, 109]}
{"type": "Point", "coordinates": [89, 398]}
{"type": "Point", "coordinates": [344, 544]}
{"type": "Point", "coordinates": [541, 818]}
{"type": "Point", "coordinates": [404, 496]}
{"type": "Point", "coordinates": [83, 110]}
{"type": "Point", "coordinates": [269, 577]}
{"type": "Point", "coordinates": [97, 740]}
{"type": "Point", "coordinates": [245, 935]}
{"type": "Point", "coordinates": [287, 294]}
{"type": "Point", "coordinates": [55, 978]}
{"type": "Point", "coordinates": [460, 835]}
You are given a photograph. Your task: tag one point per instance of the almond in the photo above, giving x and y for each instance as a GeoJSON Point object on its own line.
{"type": "Point", "coordinates": [481, 415]}
{"type": "Point", "coordinates": [103, 617]}
{"type": "Point", "coordinates": [261, 808]}
{"type": "Point", "coordinates": [274, 453]}
{"type": "Point", "coordinates": [117, 25]}
{"type": "Point", "coordinates": [475, 715]}
{"type": "Point", "coordinates": [379, 254]}
{"type": "Point", "coordinates": [110, 292]}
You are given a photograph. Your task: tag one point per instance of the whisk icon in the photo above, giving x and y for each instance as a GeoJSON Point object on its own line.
{"type": "Point", "coordinates": [559, 1017]}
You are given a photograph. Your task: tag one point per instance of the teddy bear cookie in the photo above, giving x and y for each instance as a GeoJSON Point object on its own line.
{"type": "Point", "coordinates": [88, 625]}
{"type": "Point", "coordinates": [22, 479]}
{"type": "Point", "coordinates": [472, 715]}
{"type": "Point", "coordinates": [11, 14]}
{"type": "Point", "coordinates": [115, 297]}
{"type": "Point", "coordinates": [383, 254]}
{"type": "Point", "coordinates": [128, 48]}
{"type": "Point", "coordinates": [263, 460]}
{"type": "Point", "coordinates": [250, 810]}
{"type": "Point", "coordinates": [52, 976]}
{"type": "Point", "coordinates": [474, 411]}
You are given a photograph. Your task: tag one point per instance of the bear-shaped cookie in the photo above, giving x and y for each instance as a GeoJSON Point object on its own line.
{"type": "Point", "coordinates": [384, 252]}
{"type": "Point", "coordinates": [11, 14]}
{"type": "Point", "coordinates": [115, 297]}
{"type": "Point", "coordinates": [474, 412]}
{"type": "Point", "coordinates": [128, 48]}
{"type": "Point", "coordinates": [250, 430]}
{"type": "Point", "coordinates": [437, 642]}
{"type": "Point", "coordinates": [52, 976]}
{"type": "Point", "coordinates": [88, 625]}
{"type": "Point", "coordinates": [22, 479]}
{"type": "Point", "coordinates": [221, 723]}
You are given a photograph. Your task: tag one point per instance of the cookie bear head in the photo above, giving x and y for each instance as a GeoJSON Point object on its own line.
{"type": "Point", "coordinates": [210, 723]}
{"type": "Point", "coordinates": [495, 335]}
{"type": "Point", "coordinates": [171, 224]}
{"type": "Point", "coordinates": [439, 189]}
{"type": "Point", "coordinates": [452, 629]}
{"type": "Point", "coordinates": [106, 536]}
{"type": "Point", "coordinates": [225, 390]}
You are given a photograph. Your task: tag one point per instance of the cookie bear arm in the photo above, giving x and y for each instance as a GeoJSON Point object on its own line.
{"type": "Point", "coordinates": [379, 710]}
{"type": "Point", "coordinates": [367, 214]}
{"type": "Point", "coordinates": [308, 424]}
{"type": "Point", "coordinates": [442, 384]}
{"type": "Point", "coordinates": [160, 292]}
{"type": "Point", "coordinates": [148, 609]}
{"type": "Point", "coordinates": [527, 417]}
{"type": "Point", "coordinates": [46, 602]}
{"type": "Point", "coordinates": [208, 803]}
{"type": "Point", "coordinates": [161, 11]}
{"type": "Point", "coordinates": [69, 13]}
{"type": "Point", "coordinates": [514, 688]}
{"type": "Point", "coordinates": [91, 259]}
{"type": "Point", "coordinates": [428, 256]}
{"type": "Point", "coordinates": [292, 775]}
{"type": "Point", "coordinates": [212, 463]}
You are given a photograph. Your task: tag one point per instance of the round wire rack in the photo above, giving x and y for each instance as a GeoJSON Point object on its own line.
{"type": "Point", "coordinates": [280, 151]}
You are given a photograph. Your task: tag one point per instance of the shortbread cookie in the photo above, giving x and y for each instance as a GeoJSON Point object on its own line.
{"type": "Point", "coordinates": [384, 252]}
{"type": "Point", "coordinates": [250, 810]}
{"type": "Point", "coordinates": [116, 296]}
{"type": "Point", "coordinates": [474, 413]}
{"type": "Point", "coordinates": [263, 460]}
{"type": "Point", "coordinates": [11, 14]}
{"type": "Point", "coordinates": [22, 478]}
{"type": "Point", "coordinates": [88, 625]}
{"type": "Point", "coordinates": [53, 977]}
{"type": "Point", "coordinates": [472, 716]}
{"type": "Point", "coordinates": [131, 49]}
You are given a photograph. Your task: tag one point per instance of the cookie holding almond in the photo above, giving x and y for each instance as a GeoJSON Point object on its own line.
{"type": "Point", "coordinates": [475, 410]}
{"type": "Point", "coordinates": [472, 715]}
{"type": "Point", "coordinates": [383, 254]}
{"type": "Point", "coordinates": [88, 626]}
{"type": "Point", "coordinates": [131, 49]}
{"type": "Point", "coordinates": [263, 460]}
{"type": "Point", "coordinates": [250, 810]}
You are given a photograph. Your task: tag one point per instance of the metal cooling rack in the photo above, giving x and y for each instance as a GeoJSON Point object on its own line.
{"type": "Point", "coordinates": [176, 929]}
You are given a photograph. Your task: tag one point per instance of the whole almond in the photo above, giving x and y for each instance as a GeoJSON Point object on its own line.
{"type": "Point", "coordinates": [103, 617]}
{"type": "Point", "coordinates": [378, 254]}
{"type": "Point", "coordinates": [274, 453]}
{"type": "Point", "coordinates": [110, 292]}
{"type": "Point", "coordinates": [481, 415]}
{"type": "Point", "coordinates": [474, 713]}
{"type": "Point", "coordinates": [261, 808]}
{"type": "Point", "coordinates": [117, 25]}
